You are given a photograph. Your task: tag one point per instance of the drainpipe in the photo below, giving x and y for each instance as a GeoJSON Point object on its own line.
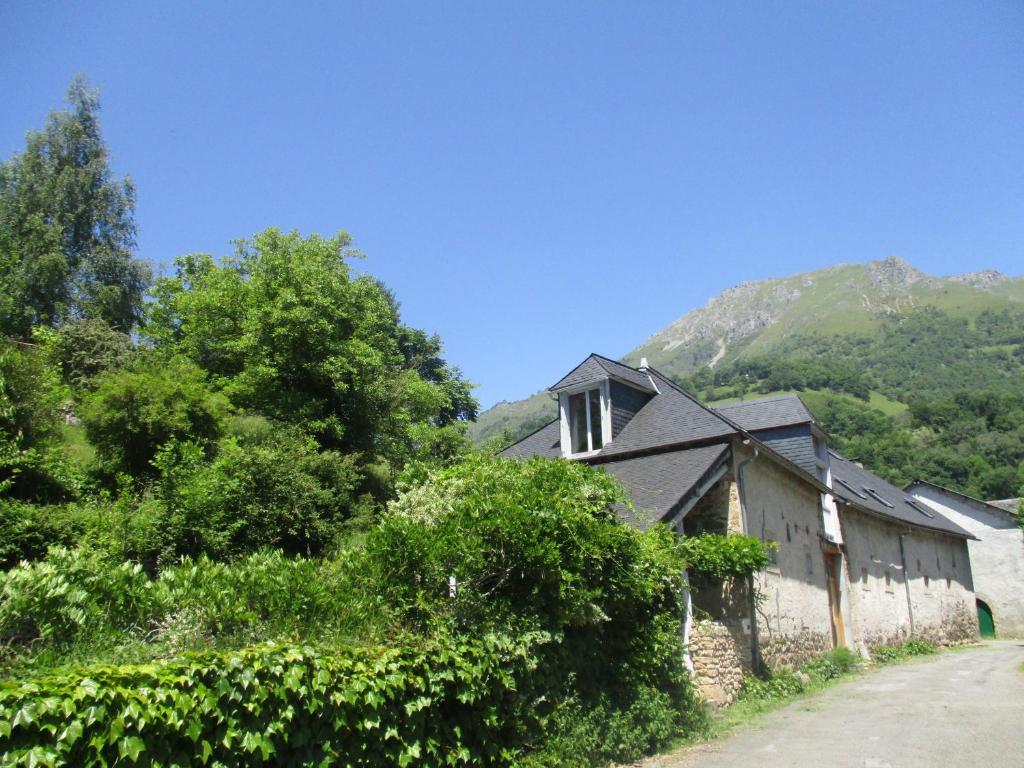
{"type": "Point", "coordinates": [755, 647]}
{"type": "Point", "coordinates": [906, 583]}
{"type": "Point", "coordinates": [688, 630]}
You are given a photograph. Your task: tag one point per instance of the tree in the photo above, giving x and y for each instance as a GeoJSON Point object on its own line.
{"type": "Point", "coordinates": [136, 411]}
{"type": "Point", "coordinates": [67, 230]}
{"type": "Point", "coordinates": [267, 485]}
{"type": "Point", "coordinates": [286, 329]}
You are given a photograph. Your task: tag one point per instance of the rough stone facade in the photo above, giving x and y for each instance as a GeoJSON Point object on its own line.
{"type": "Point", "coordinates": [720, 653]}
{"type": "Point", "coordinates": [933, 595]}
{"type": "Point", "coordinates": [794, 620]}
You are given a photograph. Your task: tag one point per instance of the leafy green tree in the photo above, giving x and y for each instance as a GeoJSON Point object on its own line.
{"type": "Point", "coordinates": [287, 330]}
{"type": "Point", "coordinates": [67, 230]}
{"type": "Point", "coordinates": [84, 349]}
{"type": "Point", "coordinates": [33, 465]}
{"type": "Point", "coordinates": [136, 411]}
{"type": "Point", "coordinates": [266, 486]}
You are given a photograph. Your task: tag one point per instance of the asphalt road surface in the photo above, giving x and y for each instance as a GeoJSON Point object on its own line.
{"type": "Point", "coordinates": [957, 708]}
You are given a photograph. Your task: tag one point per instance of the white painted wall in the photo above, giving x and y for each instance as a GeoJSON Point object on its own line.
{"type": "Point", "coordinates": [877, 588]}
{"type": "Point", "coordinates": [996, 561]}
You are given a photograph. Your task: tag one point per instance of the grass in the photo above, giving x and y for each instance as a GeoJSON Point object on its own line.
{"type": "Point", "coordinates": [893, 408]}
{"type": "Point", "coordinates": [76, 444]}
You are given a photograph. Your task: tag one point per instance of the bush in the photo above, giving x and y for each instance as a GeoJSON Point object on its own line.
{"type": "Point", "coordinates": [886, 654]}
{"type": "Point", "coordinates": [77, 599]}
{"type": "Point", "coordinates": [136, 411]}
{"type": "Point", "coordinates": [536, 546]}
{"type": "Point", "coordinates": [719, 557]}
{"type": "Point", "coordinates": [269, 487]}
{"type": "Point", "coordinates": [28, 530]}
{"type": "Point", "coordinates": [784, 683]}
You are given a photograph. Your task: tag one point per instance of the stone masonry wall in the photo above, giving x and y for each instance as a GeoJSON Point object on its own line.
{"type": "Point", "coordinates": [720, 653]}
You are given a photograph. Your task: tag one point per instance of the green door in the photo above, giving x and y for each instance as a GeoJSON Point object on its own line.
{"type": "Point", "coordinates": [986, 626]}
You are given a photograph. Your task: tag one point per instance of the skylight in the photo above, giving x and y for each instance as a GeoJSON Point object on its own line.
{"type": "Point", "coordinates": [876, 497]}
{"type": "Point", "coordinates": [849, 487]}
{"type": "Point", "coordinates": [919, 507]}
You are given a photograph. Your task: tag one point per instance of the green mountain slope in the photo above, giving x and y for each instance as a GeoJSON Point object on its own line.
{"type": "Point", "coordinates": [753, 317]}
{"type": "Point", "coordinates": [913, 374]}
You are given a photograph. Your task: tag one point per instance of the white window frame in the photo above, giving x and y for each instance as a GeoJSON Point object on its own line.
{"type": "Point", "coordinates": [606, 418]}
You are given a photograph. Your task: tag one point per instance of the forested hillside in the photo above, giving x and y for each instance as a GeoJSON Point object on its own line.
{"type": "Point", "coordinates": [932, 396]}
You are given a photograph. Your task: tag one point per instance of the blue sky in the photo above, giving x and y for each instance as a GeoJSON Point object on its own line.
{"type": "Point", "coordinates": [540, 180]}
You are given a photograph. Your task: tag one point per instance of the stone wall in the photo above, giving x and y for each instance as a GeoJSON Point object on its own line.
{"type": "Point", "coordinates": [793, 650]}
{"type": "Point", "coordinates": [794, 621]}
{"type": "Point", "coordinates": [720, 653]}
{"type": "Point", "coordinates": [937, 577]}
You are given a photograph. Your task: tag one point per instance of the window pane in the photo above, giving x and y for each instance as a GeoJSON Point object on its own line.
{"type": "Point", "coordinates": [595, 418]}
{"type": "Point", "coordinates": [578, 422]}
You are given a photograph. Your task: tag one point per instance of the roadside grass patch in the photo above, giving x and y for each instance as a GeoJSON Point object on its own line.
{"type": "Point", "coordinates": [887, 654]}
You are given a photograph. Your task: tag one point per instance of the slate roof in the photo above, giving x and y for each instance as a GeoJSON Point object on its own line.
{"type": "Point", "coordinates": [1007, 505]}
{"type": "Point", "coordinates": [598, 367]}
{"type": "Point", "coordinates": [656, 484]}
{"type": "Point", "coordinates": [544, 442]}
{"type": "Point", "coordinates": [767, 412]}
{"type": "Point", "coordinates": [866, 490]}
{"type": "Point", "coordinates": [671, 417]}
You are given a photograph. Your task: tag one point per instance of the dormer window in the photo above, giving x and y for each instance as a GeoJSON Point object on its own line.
{"type": "Point", "coordinates": [586, 418]}
{"type": "Point", "coordinates": [585, 421]}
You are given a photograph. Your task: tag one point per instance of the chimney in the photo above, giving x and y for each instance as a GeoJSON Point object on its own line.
{"type": "Point", "coordinates": [643, 363]}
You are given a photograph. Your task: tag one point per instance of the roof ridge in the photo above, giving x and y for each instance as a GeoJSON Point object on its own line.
{"type": "Point", "coordinates": [791, 396]}
{"type": "Point", "coordinates": [697, 402]}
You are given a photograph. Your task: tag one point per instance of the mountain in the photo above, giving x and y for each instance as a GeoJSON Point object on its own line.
{"type": "Point", "coordinates": [848, 298]}
{"type": "Point", "coordinates": [858, 341]}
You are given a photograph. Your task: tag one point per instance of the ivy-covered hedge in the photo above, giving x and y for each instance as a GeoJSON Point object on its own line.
{"type": "Point", "coordinates": [464, 703]}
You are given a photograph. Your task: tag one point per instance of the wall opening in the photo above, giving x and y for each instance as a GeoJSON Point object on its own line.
{"type": "Point", "coordinates": [986, 624]}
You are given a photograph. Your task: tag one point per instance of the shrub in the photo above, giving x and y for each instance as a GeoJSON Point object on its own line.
{"type": "Point", "coordinates": [270, 487]}
{"type": "Point", "coordinates": [135, 411]}
{"type": "Point", "coordinates": [719, 557]}
{"type": "Point", "coordinates": [78, 598]}
{"type": "Point", "coordinates": [536, 545]}
{"type": "Point", "coordinates": [28, 530]}
{"type": "Point", "coordinates": [784, 683]}
{"type": "Point", "coordinates": [886, 654]}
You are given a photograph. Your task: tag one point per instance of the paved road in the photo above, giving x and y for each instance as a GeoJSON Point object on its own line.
{"type": "Point", "coordinates": [959, 708]}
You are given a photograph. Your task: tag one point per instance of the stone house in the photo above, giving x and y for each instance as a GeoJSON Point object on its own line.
{"type": "Point", "coordinates": [763, 469]}
{"type": "Point", "coordinates": [897, 568]}
{"type": "Point", "coordinates": [693, 469]}
{"type": "Point", "coordinates": [997, 556]}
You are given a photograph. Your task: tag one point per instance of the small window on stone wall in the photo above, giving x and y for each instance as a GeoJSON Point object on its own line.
{"type": "Point", "coordinates": [954, 562]}
{"type": "Point", "coordinates": [809, 563]}
{"type": "Point", "coordinates": [919, 565]}
{"type": "Point", "coordinates": [927, 581]}
{"type": "Point", "coordinates": [949, 583]}
{"type": "Point", "coordinates": [864, 577]}
{"type": "Point", "coordinates": [888, 578]}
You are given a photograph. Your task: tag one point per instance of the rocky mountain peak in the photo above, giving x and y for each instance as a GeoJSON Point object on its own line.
{"type": "Point", "coordinates": [893, 273]}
